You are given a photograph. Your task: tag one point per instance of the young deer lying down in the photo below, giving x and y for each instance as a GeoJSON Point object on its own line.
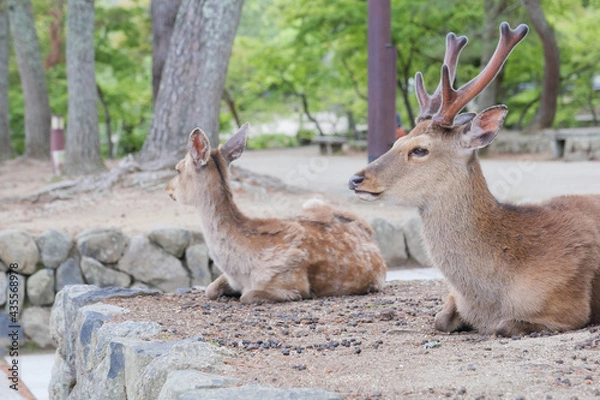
{"type": "Point", "coordinates": [323, 252]}
{"type": "Point", "coordinates": [511, 269]}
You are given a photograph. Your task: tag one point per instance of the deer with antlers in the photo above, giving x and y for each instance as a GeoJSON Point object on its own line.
{"type": "Point", "coordinates": [510, 269]}
{"type": "Point", "coordinates": [322, 252]}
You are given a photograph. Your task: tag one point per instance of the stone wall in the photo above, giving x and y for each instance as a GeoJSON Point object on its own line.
{"type": "Point", "coordinates": [511, 142]}
{"type": "Point", "coordinates": [98, 359]}
{"type": "Point", "coordinates": [164, 259]}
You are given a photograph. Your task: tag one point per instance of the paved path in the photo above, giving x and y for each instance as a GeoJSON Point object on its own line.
{"type": "Point", "coordinates": [509, 180]}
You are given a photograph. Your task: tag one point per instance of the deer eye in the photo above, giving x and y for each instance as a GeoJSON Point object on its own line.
{"type": "Point", "coordinates": [418, 152]}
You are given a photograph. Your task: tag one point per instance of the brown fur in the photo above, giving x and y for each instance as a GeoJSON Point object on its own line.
{"type": "Point", "coordinates": [511, 269]}
{"type": "Point", "coordinates": [322, 252]}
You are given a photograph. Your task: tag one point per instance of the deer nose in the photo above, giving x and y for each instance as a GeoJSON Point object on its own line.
{"type": "Point", "coordinates": [355, 181]}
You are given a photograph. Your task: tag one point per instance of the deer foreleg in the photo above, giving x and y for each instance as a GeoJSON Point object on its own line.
{"type": "Point", "coordinates": [448, 319]}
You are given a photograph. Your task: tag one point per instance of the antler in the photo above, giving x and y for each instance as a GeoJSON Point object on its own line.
{"type": "Point", "coordinates": [452, 101]}
{"type": "Point", "coordinates": [431, 104]}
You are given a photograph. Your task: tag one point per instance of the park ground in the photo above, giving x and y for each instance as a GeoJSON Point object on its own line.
{"type": "Point", "coordinates": [376, 346]}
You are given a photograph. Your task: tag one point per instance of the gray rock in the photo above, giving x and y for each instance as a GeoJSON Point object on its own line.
{"type": "Point", "coordinates": [137, 355]}
{"type": "Point", "coordinates": [11, 332]}
{"type": "Point", "coordinates": [140, 285]}
{"type": "Point", "coordinates": [415, 243]}
{"type": "Point", "coordinates": [67, 303]}
{"type": "Point", "coordinates": [15, 294]}
{"type": "Point", "coordinates": [17, 247]}
{"type": "Point", "coordinates": [179, 382]}
{"type": "Point", "coordinates": [196, 257]}
{"type": "Point", "coordinates": [172, 240]}
{"type": "Point", "coordinates": [390, 239]}
{"type": "Point", "coordinates": [54, 247]}
{"type": "Point", "coordinates": [97, 365]}
{"type": "Point", "coordinates": [196, 237]}
{"type": "Point", "coordinates": [98, 275]}
{"type": "Point", "coordinates": [104, 245]}
{"type": "Point", "coordinates": [68, 273]}
{"type": "Point", "coordinates": [63, 315]}
{"type": "Point", "coordinates": [62, 378]}
{"type": "Point", "coordinates": [96, 332]}
{"type": "Point", "coordinates": [36, 321]}
{"type": "Point", "coordinates": [184, 355]}
{"type": "Point", "coordinates": [3, 288]}
{"type": "Point", "coordinates": [256, 391]}
{"type": "Point", "coordinates": [40, 287]}
{"type": "Point", "coordinates": [152, 265]}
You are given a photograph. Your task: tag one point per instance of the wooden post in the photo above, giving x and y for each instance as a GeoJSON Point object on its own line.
{"type": "Point", "coordinates": [381, 80]}
{"type": "Point", "coordinates": [57, 143]}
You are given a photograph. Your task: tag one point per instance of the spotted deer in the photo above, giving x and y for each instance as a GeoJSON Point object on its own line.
{"type": "Point", "coordinates": [322, 252]}
{"type": "Point", "coordinates": [510, 269]}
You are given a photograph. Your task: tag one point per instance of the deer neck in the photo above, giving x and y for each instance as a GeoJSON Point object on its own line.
{"type": "Point", "coordinates": [460, 224]}
{"type": "Point", "coordinates": [221, 219]}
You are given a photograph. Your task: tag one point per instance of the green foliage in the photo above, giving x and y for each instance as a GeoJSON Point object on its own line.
{"type": "Point", "coordinates": [318, 49]}
{"type": "Point", "coordinates": [305, 136]}
{"type": "Point", "coordinates": [123, 55]}
{"type": "Point", "coordinates": [271, 141]}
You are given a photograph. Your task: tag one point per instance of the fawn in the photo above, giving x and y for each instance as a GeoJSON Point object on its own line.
{"type": "Point", "coordinates": [323, 252]}
{"type": "Point", "coordinates": [510, 269]}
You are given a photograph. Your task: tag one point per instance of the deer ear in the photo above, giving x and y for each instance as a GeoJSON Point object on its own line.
{"type": "Point", "coordinates": [233, 149]}
{"type": "Point", "coordinates": [199, 147]}
{"type": "Point", "coordinates": [484, 127]}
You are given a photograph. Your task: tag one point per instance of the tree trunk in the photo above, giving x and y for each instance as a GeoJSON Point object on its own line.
{"type": "Point", "coordinates": [55, 56]}
{"type": "Point", "coordinates": [33, 80]}
{"type": "Point", "coordinates": [546, 112]}
{"type": "Point", "coordinates": [82, 147]}
{"type": "Point", "coordinates": [231, 105]}
{"type": "Point", "coordinates": [308, 114]}
{"type": "Point", "coordinates": [107, 122]}
{"type": "Point", "coordinates": [489, 38]}
{"type": "Point", "coordinates": [164, 13]}
{"type": "Point", "coordinates": [6, 149]}
{"type": "Point", "coordinates": [193, 78]}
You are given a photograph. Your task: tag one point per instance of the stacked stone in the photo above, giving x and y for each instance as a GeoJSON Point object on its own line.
{"type": "Point", "coordinates": [166, 259]}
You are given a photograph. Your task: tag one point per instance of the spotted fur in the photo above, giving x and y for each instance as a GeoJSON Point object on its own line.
{"type": "Point", "coordinates": [321, 252]}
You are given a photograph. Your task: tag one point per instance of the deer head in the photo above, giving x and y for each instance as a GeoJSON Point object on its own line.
{"type": "Point", "coordinates": [203, 168]}
{"type": "Point", "coordinates": [431, 161]}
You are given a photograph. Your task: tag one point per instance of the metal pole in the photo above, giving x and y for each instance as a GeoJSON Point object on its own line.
{"type": "Point", "coordinates": [381, 80]}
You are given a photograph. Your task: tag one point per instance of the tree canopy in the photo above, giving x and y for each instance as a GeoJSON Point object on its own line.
{"type": "Point", "coordinates": [306, 57]}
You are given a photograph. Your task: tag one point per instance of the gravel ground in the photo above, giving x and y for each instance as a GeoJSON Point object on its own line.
{"type": "Point", "coordinates": [379, 346]}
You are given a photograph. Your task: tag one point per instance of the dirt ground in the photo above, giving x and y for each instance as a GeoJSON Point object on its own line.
{"type": "Point", "coordinates": [376, 346]}
{"type": "Point", "coordinates": [137, 207]}
{"type": "Point", "coordinates": [379, 346]}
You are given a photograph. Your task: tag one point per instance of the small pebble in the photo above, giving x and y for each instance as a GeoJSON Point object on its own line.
{"type": "Point", "coordinates": [357, 350]}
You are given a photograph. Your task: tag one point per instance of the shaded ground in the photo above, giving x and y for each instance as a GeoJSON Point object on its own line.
{"type": "Point", "coordinates": [377, 346]}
